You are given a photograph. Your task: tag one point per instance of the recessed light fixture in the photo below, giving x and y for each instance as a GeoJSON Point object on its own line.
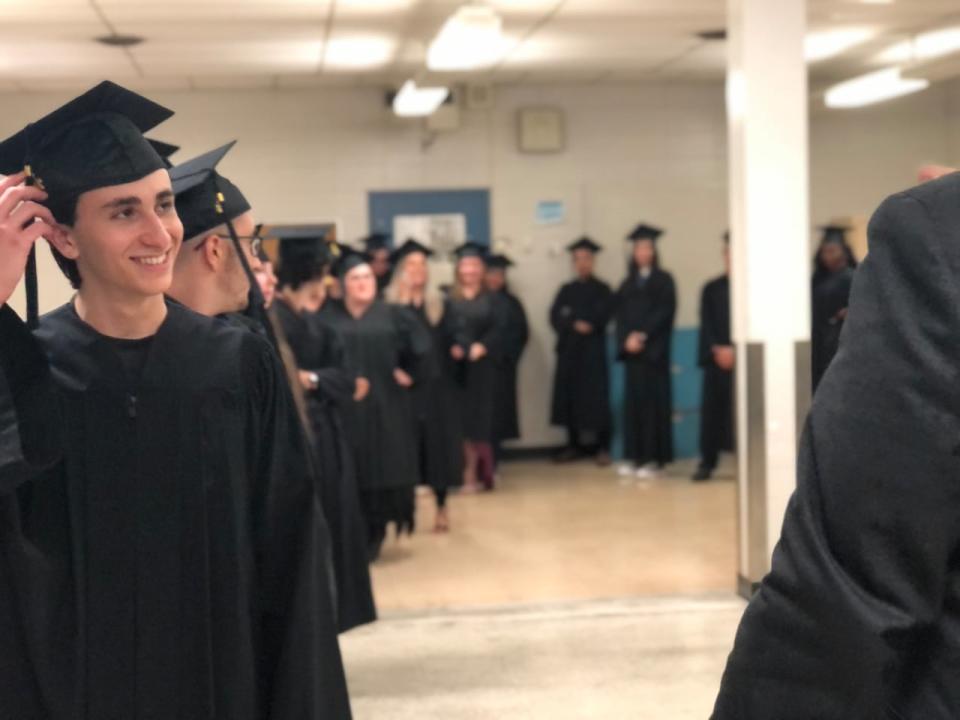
{"type": "Point", "coordinates": [873, 88]}
{"type": "Point", "coordinates": [121, 41]}
{"type": "Point", "coordinates": [826, 44]}
{"type": "Point", "coordinates": [470, 40]}
{"type": "Point", "coordinates": [413, 101]}
{"type": "Point", "coordinates": [926, 46]}
{"type": "Point", "coordinates": [360, 52]}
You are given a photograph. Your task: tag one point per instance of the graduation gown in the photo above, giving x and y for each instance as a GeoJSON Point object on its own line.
{"type": "Point", "coordinates": [516, 333]}
{"type": "Point", "coordinates": [647, 306]}
{"type": "Point", "coordinates": [581, 393]}
{"type": "Point", "coordinates": [316, 348]}
{"type": "Point", "coordinates": [831, 295]}
{"type": "Point", "coordinates": [859, 617]}
{"type": "Point", "coordinates": [716, 412]}
{"type": "Point", "coordinates": [168, 563]}
{"type": "Point", "coordinates": [381, 426]}
{"type": "Point", "coordinates": [437, 407]}
{"type": "Point", "coordinates": [468, 322]}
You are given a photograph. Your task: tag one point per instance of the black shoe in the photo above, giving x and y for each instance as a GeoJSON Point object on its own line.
{"type": "Point", "coordinates": [703, 474]}
{"type": "Point", "coordinates": [568, 454]}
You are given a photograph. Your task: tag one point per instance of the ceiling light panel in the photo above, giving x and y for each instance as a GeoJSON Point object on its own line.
{"type": "Point", "coordinates": [825, 44]}
{"type": "Point", "coordinates": [359, 52]}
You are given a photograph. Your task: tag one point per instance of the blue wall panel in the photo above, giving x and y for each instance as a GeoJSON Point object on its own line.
{"type": "Point", "coordinates": [383, 207]}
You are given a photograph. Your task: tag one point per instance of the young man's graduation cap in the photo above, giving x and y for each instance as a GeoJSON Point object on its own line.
{"type": "Point", "coordinates": [645, 232]}
{"type": "Point", "coordinates": [205, 201]}
{"type": "Point", "coordinates": [94, 141]}
{"type": "Point", "coordinates": [408, 248]}
{"type": "Point", "coordinates": [584, 243]}
{"type": "Point", "coordinates": [499, 262]}
{"type": "Point", "coordinates": [165, 150]}
{"type": "Point", "coordinates": [471, 249]}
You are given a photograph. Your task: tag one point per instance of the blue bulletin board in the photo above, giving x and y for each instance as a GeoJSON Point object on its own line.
{"type": "Point", "coordinates": [383, 207]}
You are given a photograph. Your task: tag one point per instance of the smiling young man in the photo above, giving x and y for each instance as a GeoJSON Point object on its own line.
{"type": "Point", "coordinates": [159, 545]}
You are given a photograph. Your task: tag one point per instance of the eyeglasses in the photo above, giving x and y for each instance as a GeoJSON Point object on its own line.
{"type": "Point", "coordinates": [256, 243]}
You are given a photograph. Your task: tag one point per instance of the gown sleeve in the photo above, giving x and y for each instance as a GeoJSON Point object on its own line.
{"type": "Point", "coordinates": [562, 314]}
{"type": "Point", "coordinates": [855, 620]}
{"type": "Point", "coordinates": [29, 422]}
{"type": "Point", "coordinates": [301, 662]}
{"type": "Point", "coordinates": [416, 342]}
{"type": "Point", "coordinates": [708, 331]}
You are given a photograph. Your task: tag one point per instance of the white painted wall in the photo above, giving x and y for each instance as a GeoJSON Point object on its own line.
{"type": "Point", "coordinates": [634, 152]}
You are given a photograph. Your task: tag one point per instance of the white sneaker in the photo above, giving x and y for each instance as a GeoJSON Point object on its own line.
{"type": "Point", "coordinates": [626, 470]}
{"type": "Point", "coordinates": [649, 472]}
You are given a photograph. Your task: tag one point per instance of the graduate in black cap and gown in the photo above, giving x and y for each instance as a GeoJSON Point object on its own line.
{"type": "Point", "coordinates": [160, 543]}
{"type": "Point", "coordinates": [477, 330]}
{"type": "Point", "coordinates": [646, 307]}
{"type": "Point", "coordinates": [330, 387]}
{"type": "Point", "coordinates": [377, 246]}
{"type": "Point", "coordinates": [579, 315]}
{"type": "Point", "coordinates": [832, 282]}
{"type": "Point", "coordinates": [384, 347]}
{"type": "Point", "coordinates": [516, 333]}
{"type": "Point", "coordinates": [717, 356]}
{"type": "Point", "coordinates": [437, 401]}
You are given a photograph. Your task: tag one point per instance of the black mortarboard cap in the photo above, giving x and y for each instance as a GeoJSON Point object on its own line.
{"type": "Point", "coordinates": [206, 199]}
{"type": "Point", "coordinates": [584, 243]}
{"type": "Point", "coordinates": [303, 244]}
{"type": "Point", "coordinates": [351, 259]}
{"type": "Point", "coordinates": [94, 141]}
{"type": "Point", "coordinates": [834, 234]}
{"type": "Point", "coordinates": [501, 262]}
{"type": "Point", "coordinates": [471, 249]}
{"type": "Point", "coordinates": [645, 232]}
{"type": "Point", "coordinates": [726, 237]}
{"type": "Point", "coordinates": [409, 247]}
{"type": "Point", "coordinates": [376, 241]}
{"type": "Point", "coordinates": [164, 150]}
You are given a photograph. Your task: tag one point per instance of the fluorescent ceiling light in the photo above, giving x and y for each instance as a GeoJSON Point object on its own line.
{"type": "Point", "coordinates": [361, 52]}
{"type": "Point", "coordinates": [927, 46]}
{"type": "Point", "coordinates": [830, 43]}
{"type": "Point", "coordinates": [470, 40]}
{"type": "Point", "coordinates": [413, 101]}
{"type": "Point", "coordinates": [873, 88]}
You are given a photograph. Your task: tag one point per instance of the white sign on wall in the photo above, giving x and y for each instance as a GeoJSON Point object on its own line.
{"type": "Point", "coordinates": [440, 233]}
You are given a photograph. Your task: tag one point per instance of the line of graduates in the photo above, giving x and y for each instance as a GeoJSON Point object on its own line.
{"type": "Point", "coordinates": [643, 310]}
{"type": "Point", "coordinates": [425, 381]}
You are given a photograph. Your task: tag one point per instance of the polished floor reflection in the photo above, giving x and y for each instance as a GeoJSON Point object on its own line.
{"type": "Point", "coordinates": [571, 532]}
{"type": "Point", "coordinates": [602, 660]}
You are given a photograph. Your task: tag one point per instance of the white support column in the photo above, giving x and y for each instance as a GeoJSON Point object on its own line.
{"type": "Point", "coordinates": [767, 112]}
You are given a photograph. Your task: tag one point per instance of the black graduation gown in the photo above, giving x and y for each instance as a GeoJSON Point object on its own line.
{"type": "Point", "coordinates": [381, 426]}
{"type": "Point", "coordinates": [581, 393]}
{"type": "Point", "coordinates": [437, 407]}
{"type": "Point", "coordinates": [859, 618]}
{"type": "Point", "coordinates": [169, 563]}
{"type": "Point", "coordinates": [469, 322]}
{"type": "Point", "coordinates": [650, 307]}
{"type": "Point", "coordinates": [716, 412]}
{"type": "Point", "coordinates": [516, 333]}
{"type": "Point", "coordinates": [831, 294]}
{"type": "Point", "coordinates": [316, 348]}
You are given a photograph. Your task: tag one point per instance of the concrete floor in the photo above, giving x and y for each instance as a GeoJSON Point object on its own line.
{"type": "Point", "coordinates": [565, 595]}
{"type": "Point", "coordinates": [604, 660]}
